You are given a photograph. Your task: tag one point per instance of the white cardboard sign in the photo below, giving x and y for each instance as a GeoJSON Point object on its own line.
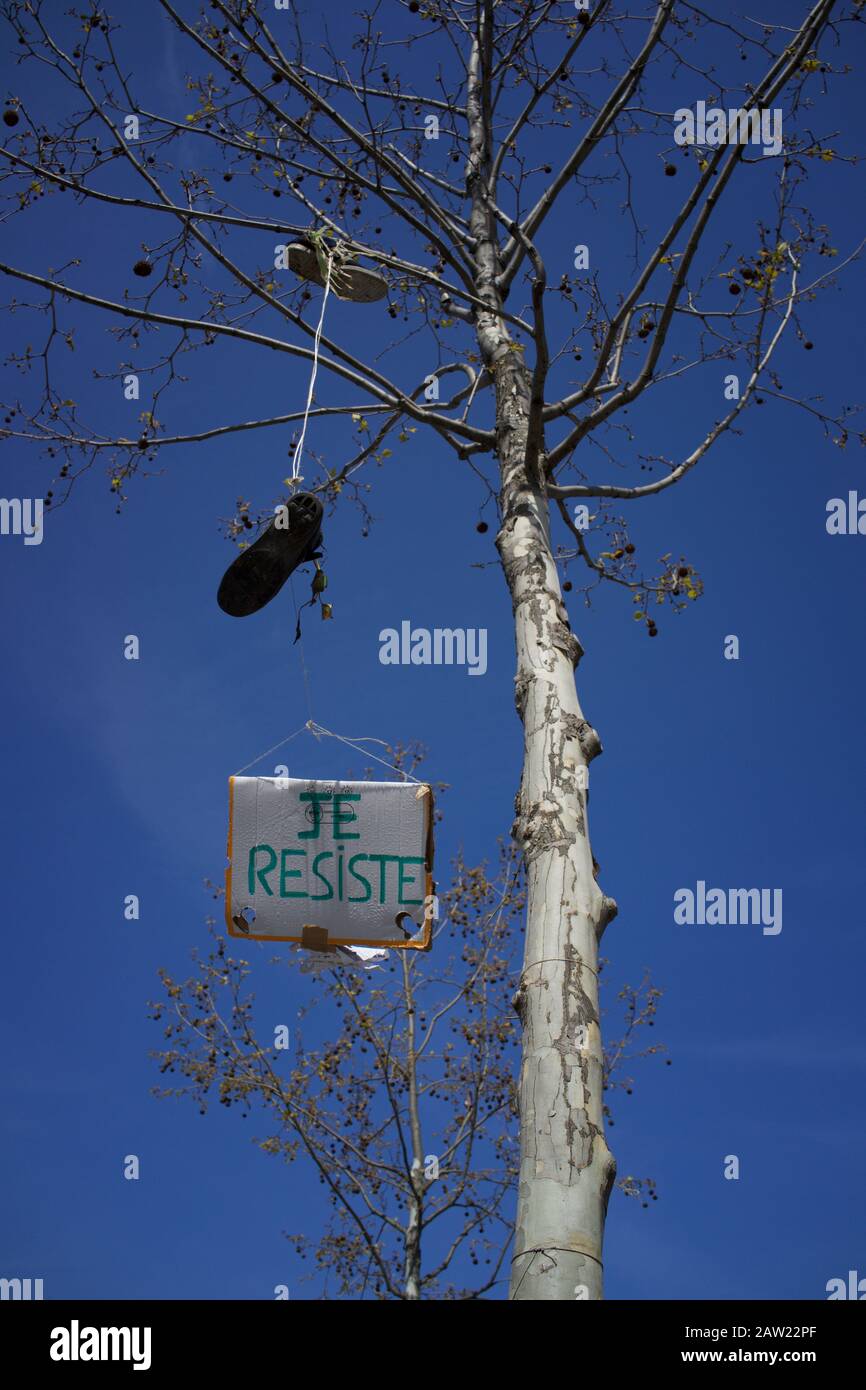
{"type": "Point", "coordinates": [350, 859]}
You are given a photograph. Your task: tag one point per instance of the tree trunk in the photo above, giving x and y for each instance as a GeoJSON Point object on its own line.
{"type": "Point", "coordinates": [415, 1215]}
{"type": "Point", "coordinates": [412, 1257]}
{"type": "Point", "coordinates": [566, 1168]}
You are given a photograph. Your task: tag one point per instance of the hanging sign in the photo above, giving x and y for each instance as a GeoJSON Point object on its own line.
{"type": "Point", "coordinates": [330, 863]}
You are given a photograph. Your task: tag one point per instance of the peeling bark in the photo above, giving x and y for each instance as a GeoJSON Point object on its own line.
{"type": "Point", "coordinates": [566, 1168]}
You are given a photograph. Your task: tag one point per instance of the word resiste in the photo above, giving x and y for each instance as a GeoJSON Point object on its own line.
{"type": "Point", "coordinates": [339, 878]}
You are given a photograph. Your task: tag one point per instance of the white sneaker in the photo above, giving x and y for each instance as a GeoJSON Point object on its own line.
{"type": "Point", "coordinates": [348, 280]}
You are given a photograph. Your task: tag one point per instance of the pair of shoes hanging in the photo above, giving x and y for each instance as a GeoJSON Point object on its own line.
{"type": "Point", "coordinates": [258, 573]}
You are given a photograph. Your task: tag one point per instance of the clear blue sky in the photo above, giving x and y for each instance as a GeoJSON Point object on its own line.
{"type": "Point", "coordinates": [745, 773]}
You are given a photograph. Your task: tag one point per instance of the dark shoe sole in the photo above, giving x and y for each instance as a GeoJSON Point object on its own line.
{"type": "Point", "coordinates": [353, 282]}
{"type": "Point", "coordinates": [258, 573]}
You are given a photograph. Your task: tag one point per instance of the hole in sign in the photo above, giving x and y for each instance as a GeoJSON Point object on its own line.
{"type": "Point", "coordinates": [244, 919]}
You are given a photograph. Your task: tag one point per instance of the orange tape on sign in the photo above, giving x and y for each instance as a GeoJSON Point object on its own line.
{"type": "Point", "coordinates": [353, 861]}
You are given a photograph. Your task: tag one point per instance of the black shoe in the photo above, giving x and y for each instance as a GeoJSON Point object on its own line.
{"type": "Point", "coordinates": [258, 574]}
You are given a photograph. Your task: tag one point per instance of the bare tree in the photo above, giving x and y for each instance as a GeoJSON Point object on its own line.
{"type": "Point", "coordinates": [405, 1108]}
{"type": "Point", "coordinates": [279, 110]}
